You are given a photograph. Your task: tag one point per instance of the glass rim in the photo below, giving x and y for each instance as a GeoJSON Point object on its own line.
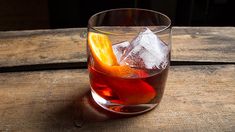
{"type": "Point", "coordinates": [119, 9]}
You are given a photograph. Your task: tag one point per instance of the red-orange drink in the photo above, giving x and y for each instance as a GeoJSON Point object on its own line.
{"type": "Point", "coordinates": [129, 91]}
{"type": "Point", "coordinates": [128, 58]}
{"type": "Point", "coordinates": [122, 88]}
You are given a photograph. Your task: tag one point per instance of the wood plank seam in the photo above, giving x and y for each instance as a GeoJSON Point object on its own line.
{"type": "Point", "coordinates": [83, 65]}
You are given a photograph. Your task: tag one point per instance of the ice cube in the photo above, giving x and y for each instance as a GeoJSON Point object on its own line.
{"type": "Point", "coordinates": [146, 51]}
{"type": "Point", "coordinates": [119, 49]}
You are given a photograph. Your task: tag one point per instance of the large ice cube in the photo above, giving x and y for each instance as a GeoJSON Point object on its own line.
{"type": "Point", "coordinates": [119, 49]}
{"type": "Point", "coordinates": [146, 51]}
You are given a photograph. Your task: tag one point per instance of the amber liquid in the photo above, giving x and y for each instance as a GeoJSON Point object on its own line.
{"type": "Point", "coordinates": [147, 89]}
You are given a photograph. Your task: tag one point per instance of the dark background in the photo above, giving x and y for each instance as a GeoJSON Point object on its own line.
{"type": "Point", "coordinates": [43, 14]}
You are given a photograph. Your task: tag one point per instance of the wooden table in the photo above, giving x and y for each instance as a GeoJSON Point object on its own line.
{"type": "Point", "coordinates": [44, 84]}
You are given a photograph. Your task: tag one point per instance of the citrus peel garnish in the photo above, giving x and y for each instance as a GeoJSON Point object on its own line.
{"type": "Point", "coordinates": [104, 57]}
{"type": "Point", "coordinates": [101, 49]}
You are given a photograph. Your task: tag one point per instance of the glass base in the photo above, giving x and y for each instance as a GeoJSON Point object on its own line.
{"type": "Point", "coordinates": [122, 109]}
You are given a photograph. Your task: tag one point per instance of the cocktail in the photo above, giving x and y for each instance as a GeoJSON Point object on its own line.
{"type": "Point", "coordinates": [128, 58]}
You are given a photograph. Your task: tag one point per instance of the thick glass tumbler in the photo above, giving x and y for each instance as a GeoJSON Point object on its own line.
{"type": "Point", "coordinates": [128, 58]}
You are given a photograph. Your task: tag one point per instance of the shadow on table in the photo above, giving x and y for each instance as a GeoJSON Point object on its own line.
{"type": "Point", "coordinates": [87, 110]}
{"type": "Point", "coordinates": [82, 112]}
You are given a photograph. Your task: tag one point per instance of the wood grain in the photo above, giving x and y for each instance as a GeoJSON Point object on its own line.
{"type": "Point", "coordinates": [42, 47]}
{"type": "Point", "coordinates": [197, 98]}
{"type": "Point", "coordinates": [202, 44]}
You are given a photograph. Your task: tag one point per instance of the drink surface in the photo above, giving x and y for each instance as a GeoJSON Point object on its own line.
{"type": "Point", "coordinates": [147, 89]}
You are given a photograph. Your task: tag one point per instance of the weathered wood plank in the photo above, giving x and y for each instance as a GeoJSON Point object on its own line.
{"type": "Point", "coordinates": [197, 98]}
{"type": "Point", "coordinates": [205, 44]}
{"type": "Point", "coordinates": [42, 47]}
